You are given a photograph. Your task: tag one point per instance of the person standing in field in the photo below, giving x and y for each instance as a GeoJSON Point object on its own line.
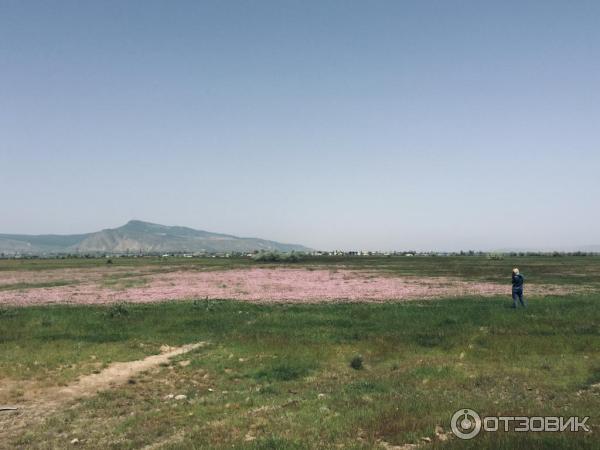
{"type": "Point", "coordinates": [517, 288]}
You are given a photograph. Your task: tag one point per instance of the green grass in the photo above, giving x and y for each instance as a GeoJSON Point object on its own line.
{"type": "Point", "coordinates": [45, 284]}
{"type": "Point", "coordinates": [279, 376]}
{"type": "Point", "coordinates": [129, 262]}
{"type": "Point", "coordinates": [538, 269]}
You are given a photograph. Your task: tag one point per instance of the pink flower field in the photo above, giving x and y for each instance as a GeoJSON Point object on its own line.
{"type": "Point", "coordinates": [257, 285]}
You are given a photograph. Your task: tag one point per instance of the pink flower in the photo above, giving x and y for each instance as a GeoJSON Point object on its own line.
{"type": "Point", "coordinates": [256, 284]}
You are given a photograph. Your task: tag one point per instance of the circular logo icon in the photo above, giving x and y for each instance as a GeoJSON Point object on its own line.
{"type": "Point", "coordinates": [465, 424]}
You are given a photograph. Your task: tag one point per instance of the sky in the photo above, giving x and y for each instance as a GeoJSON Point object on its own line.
{"type": "Point", "coordinates": [390, 125]}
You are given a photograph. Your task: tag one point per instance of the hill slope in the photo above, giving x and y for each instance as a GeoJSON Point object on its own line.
{"type": "Point", "coordinates": [137, 236]}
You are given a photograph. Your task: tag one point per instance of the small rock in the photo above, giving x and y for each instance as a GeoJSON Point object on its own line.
{"type": "Point", "coordinates": [168, 396]}
{"type": "Point", "coordinates": [184, 363]}
{"type": "Point", "coordinates": [75, 441]}
{"type": "Point", "coordinates": [321, 396]}
{"type": "Point", "coordinates": [426, 439]}
{"type": "Point", "coordinates": [180, 397]}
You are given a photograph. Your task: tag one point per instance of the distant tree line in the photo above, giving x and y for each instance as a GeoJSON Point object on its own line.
{"type": "Point", "coordinates": [293, 256]}
{"type": "Point", "coordinates": [275, 256]}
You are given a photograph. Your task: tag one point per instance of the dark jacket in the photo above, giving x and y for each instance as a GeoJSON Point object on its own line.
{"type": "Point", "coordinates": [517, 281]}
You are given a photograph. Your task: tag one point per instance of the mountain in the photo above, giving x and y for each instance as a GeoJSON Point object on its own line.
{"type": "Point", "coordinates": [135, 237]}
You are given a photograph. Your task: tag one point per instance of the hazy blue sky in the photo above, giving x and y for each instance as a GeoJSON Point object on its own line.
{"type": "Point", "coordinates": [335, 124]}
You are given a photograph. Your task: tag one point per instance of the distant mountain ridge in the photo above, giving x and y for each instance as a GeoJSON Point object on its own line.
{"type": "Point", "coordinates": [137, 236]}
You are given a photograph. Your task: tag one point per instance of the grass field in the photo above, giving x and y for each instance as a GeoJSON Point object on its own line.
{"type": "Point", "coordinates": [539, 269]}
{"type": "Point", "coordinates": [280, 376]}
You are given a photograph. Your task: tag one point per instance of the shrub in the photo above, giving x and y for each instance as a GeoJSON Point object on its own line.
{"type": "Point", "coordinates": [46, 321]}
{"type": "Point", "coordinates": [206, 304]}
{"type": "Point", "coordinates": [356, 362]}
{"type": "Point", "coordinates": [285, 371]}
{"type": "Point", "coordinates": [118, 310]}
{"type": "Point", "coordinates": [8, 312]}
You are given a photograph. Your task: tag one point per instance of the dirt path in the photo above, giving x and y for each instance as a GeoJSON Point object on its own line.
{"type": "Point", "coordinates": [40, 404]}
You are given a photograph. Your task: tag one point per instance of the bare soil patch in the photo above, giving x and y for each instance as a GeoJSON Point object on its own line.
{"type": "Point", "coordinates": [39, 403]}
